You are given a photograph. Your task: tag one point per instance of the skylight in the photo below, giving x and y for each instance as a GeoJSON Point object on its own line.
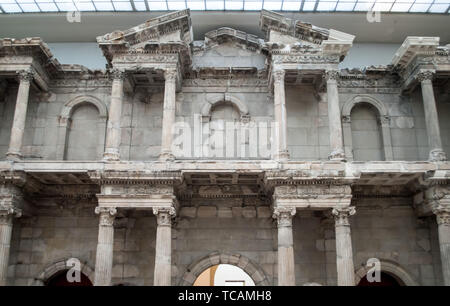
{"type": "Point", "coordinates": [395, 6]}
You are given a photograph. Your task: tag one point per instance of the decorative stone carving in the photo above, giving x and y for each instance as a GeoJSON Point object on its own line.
{"type": "Point", "coordinates": [425, 75]}
{"type": "Point", "coordinates": [107, 215]}
{"type": "Point", "coordinates": [284, 215]}
{"type": "Point", "coordinates": [331, 75]}
{"type": "Point", "coordinates": [26, 75]}
{"type": "Point", "coordinates": [164, 215]}
{"type": "Point", "coordinates": [170, 74]}
{"type": "Point", "coordinates": [7, 212]}
{"type": "Point", "coordinates": [278, 75]}
{"type": "Point", "coordinates": [341, 215]}
{"type": "Point", "coordinates": [117, 74]}
{"type": "Point", "coordinates": [437, 155]}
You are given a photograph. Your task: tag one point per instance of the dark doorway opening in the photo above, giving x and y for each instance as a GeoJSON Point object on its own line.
{"type": "Point", "coordinates": [60, 280]}
{"type": "Point", "coordinates": [386, 280]}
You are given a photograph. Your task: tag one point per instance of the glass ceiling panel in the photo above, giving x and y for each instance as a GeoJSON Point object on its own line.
{"type": "Point", "coordinates": [394, 6]}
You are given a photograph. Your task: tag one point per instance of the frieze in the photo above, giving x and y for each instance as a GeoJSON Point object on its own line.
{"type": "Point", "coordinates": [312, 191]}
{"type": "Point", "coordinates": [310, 59]}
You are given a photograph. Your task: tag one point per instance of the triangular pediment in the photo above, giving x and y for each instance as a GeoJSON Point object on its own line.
{"type": "Point", "coordinates": [283, 30]}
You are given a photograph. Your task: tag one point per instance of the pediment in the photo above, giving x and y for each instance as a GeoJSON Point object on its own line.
{"type": "Point", "coordinates": [172, 27]}
{"type": "Point", "coordinates": [285, 31]}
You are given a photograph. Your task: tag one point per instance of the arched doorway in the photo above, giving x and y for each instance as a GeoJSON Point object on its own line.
{"type": "Point", "coordinates": [224, 275]}
{"type": "Point", "coordinates": [60, 279]}
{"type": "Point", "coordinates": [252, 269]}
{"type": "Point", "coordinates": [386, 280]}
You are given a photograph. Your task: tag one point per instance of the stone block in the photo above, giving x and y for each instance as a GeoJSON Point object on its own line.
{"type": "Point", "coordinates": [207, 212]}
{"type": "Point", "coordinates": [224, 212]}
{"type": "Point", "coordinates": [263, 212]}
{"type": "Point", "coordinates": [249, 212]}
{"type": "Point", "coordinates": [188, 212]}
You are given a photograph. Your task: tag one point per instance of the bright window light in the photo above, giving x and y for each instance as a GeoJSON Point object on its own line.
{"type": "Point", "coordinates": [214, 5]}
{"type": "Point", "coordinates": [396, 6]}
{"type": "Point", "coordinates": [291, 5]}
{"type": "Point", "coordinates": [11, 8]}
{"type": "Point", "coordinates": [309, 6]}
{"type": "Point", "coordinates": [157, 5]}
{"type": "Point", "coordinates": [48, 7]}
{"type": "Point", "coordinates": [234, 5]}
{"type": "Point", "coordinates": [419, 8]}
{"type": "Point", "coordinates": [252, 5]}
{"type": "Point", "coordinates": [401, 7]}
{"type": "Point", "coordinates": [196, 5]}
{"type": "Point", "coordinates": [345, 6]}
{"type": "Point", "coordinates": [438, 8]}
{"type": "Point", "coordinates": [272, 5]}
{"type": "Point", "coordinates": [326, 6]}
{"type": "Point", "coordinates": [140, 6]}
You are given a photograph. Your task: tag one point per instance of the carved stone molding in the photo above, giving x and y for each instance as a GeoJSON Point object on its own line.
{"type": "Point", "coordinates": [170, 74]}
{"type": "Point", "coordinates": [164, 215]}
{"type": "Point", "coordinates": [107, 215]}
{"type": "Point", "coordinates": [331, 75]}
{"type": "Point", "coordinates": [117, 74]}
{"type": "Point", "coordinates": [26, 75]}
{"type": "Point", "coordinates": [7, 212]}
{"type": "Point", "coordinates": [437, 155]}
{"type": "Point", "coordinates": [425, 75]}
{"type": "Point", "coordinates": [284, 215]}
{"type": "Point", "coordinates": [341, 215]}
{"type": "Point", "coordinates": [278, 75]}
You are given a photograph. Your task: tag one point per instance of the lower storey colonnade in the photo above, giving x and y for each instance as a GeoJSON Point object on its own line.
{"type": "Point", "coordinates": [151, 233]}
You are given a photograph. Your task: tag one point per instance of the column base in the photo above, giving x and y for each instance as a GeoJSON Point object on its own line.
{"type": "Point", "coordinates": [337, 155]}
{"type": "Point", "coordinates": [437, 155]}
{"type": "Point", "coordinates": [282, 155]}
{"type": "Point", "coordinates": [14, 156]}
{"type": "Point", "coordinates": [111, 156]}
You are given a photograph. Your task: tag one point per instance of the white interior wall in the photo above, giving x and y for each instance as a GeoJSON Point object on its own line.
{"type": "Point", "coordinates": [90, 55]}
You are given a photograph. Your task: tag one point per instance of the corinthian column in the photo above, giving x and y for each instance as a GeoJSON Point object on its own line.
{"type": "Point", "coordinates": [443, 220]}
{"type": "Point", "coordinates": [6, 223]}
{"type": "Point", "coordinates": [279, 97]}
{"type": "Point", "coordinates": [170, 76]}
{"type": "Point", "coordinates": [431, 116]}
{"type": "Point", "coordinates": [334, 116]}
{"type": "Point", "coordinates": [113, 131]}
{"type": "Point", "coordinates": [344, 252]}
{"type": "Point", "coordinates": [20, 115]}
{"type": "Point", "coordinates": [163, 249]}
{"type": "Point", "coordinates": [105, 246]}
{"type": "Point", "coordinates": [286, 267]}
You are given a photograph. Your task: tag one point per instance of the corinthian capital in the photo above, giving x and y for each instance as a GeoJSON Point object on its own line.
{"type": "Point", "coordinates": [425, 75]}
{"type": "Point", "coordinates": [7, 212]}
{"type": "Point", "coordinates": [331, 75]}
{"type": "Point", "coordinates": [26, 75]}
{"type": "Point", "coordinates": [164, 215]}
{"type": "Point", "coordinates": [170, 74]}
{"type": "Point", "coordinates": [284, 215]}
{"type": "Point", "coordinates": [341, 215]}
{"type": "Point", "coordinates": [107, 215]}
{"type": "Point", "coordinates": [117, 74]}
{"type": "Point", "coordinates": [278, 75]}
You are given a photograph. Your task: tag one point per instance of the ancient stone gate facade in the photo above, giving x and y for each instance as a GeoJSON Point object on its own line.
{"type": "Point", "coordinates": [260, 153]}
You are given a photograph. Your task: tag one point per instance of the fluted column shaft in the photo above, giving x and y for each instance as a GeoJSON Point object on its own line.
{"type": "Point", "coordinates": [6, 223]}
{"type": "Point", "coordinates": [286, 265]}
{"type": "Point", "coordinates": [170, 76]}
{"type": "Point", "coordinates": [163, 252]}
{"type": "Point", "coordinates": [431, 117]}
{"type": "Point", "coordinates": [113, 131]}
{"type": "Point", "coordinates": [443, 221]}
{"type": "Point", "coordinates": [279, 99]}
{"type": "Point", "coordinates": [105, 246]}
{"type": "Point", "coordinates": [20, 115]}
{"type": "Point", "coordinates": [344, 251]}
{"type": "Point", "coordinates": [334, 116]}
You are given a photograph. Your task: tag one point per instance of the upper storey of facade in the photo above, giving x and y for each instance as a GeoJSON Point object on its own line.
{"type": "Point", "coordinates": [232, 96]}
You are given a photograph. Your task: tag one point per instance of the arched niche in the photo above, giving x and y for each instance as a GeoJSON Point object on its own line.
{"type": "Point", "coordinates": [218, 111]}
{"type": "Point", "coordinates": [65, 123]}
{"type": "Point", "coordinates": [61, 266]}
{"type": "Point", "coordinates": [197, 267]}
{"type": "Point", "coordinates": [382, 118]}
{"type": "Point", "coordinates": [391, 268]}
